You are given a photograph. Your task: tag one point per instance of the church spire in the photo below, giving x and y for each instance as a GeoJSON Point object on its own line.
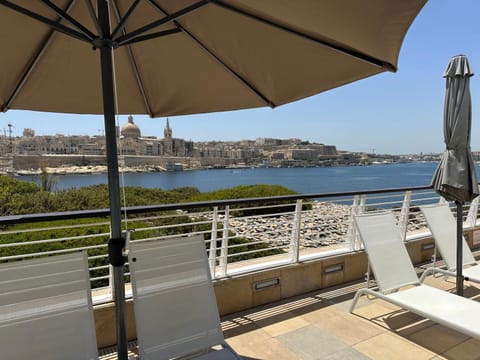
{"type": "Point", "coordinates": [167, 132]}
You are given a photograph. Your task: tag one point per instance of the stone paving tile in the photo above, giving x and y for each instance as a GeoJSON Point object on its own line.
{"type": "Point", "coordinates": [345, 305]}
{"type": "Point", "coordinates": [312, 343]}
{"type": "Point", "coordinates": [467, 350]}
{"type": "Point", "coordinates": [319, 315]}
{"type": "Point", "coordinates": [283, 323]}
{"type": "Point", "coordinates": [271, 349]}
{"type": "Point", "coordinates": [350, 328]}
{"type": "Point", "coordinates": [251, 337]}
{"type": "Point", "coordinates": [437, 338]}
{"type": "Point", "coordinates": [392, 347]}
{"type": "Point", "coordinates": [346, 354]}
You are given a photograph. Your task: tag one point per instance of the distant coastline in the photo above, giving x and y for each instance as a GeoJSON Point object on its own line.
{"type": "Point", "coordinates": [102, 169]}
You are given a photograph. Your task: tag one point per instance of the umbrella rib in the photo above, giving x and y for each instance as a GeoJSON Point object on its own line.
{"type": "Point", "coordinates": [55, 25]}
{"type": "Point", "coordinates": [70, 19]}
{"type": "Point", "coordinates": [122, 21]}
{"type": "Point", "coordinates": [350, 52]}
{"type": "Point", "coordinates": [93, 15]}
{"type": "Point", "coordinates": [152, 36]}
{"type": "Point", "coordinates": [250, 86]}
{"type": "Point", "coordinates": [133, 62]}
{"type": "Point", "coordinates": [169, 18]}
{"type": "Point", "coordinates": [33, 63]}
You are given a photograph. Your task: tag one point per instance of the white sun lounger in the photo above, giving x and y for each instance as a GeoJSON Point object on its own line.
{"type": "Point", "coordinates": [393, 270]}
{"type": "Point", "coordinates": [46, 309]}
{"type": "Point", "coordinates": [175, 308]}
{"type": "Point", "coordinates": [443, 227]}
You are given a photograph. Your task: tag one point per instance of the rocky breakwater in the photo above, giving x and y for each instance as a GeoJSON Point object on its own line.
{"type": "Point", "coordinates": [326, 224]}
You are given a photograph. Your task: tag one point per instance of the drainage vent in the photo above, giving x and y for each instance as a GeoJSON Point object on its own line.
{"type": "Point", "coordinates": [267, 284]}
{"type": "Point", "coordinates": [333, 269]}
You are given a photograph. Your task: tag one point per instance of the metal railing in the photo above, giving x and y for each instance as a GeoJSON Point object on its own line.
{"type": "Point", "coordinates": [241, 235]}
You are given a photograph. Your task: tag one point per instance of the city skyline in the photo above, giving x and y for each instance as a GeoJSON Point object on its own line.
{"type": "Point", "coordinates": [131, 130]}
{"type": "Point", "coordinates": [392, 113]}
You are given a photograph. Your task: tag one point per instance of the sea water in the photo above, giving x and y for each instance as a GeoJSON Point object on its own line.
{"type": "Point", "coordinates": [303, 180]}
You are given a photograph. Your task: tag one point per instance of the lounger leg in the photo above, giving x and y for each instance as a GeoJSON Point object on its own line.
{"type": "Point", "coordinates": [356, 298]}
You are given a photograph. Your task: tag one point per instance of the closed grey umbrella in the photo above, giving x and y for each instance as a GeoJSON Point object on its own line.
{"type": "Point", "coordinates": [172, 57]}
{"type": "Point", "coordinates": [455, 177]}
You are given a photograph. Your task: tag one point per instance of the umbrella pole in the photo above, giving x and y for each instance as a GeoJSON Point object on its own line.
{"type": "Point", "coordinates": [116, 244]}
{"type": "Point", "coordinates": [459, 247]}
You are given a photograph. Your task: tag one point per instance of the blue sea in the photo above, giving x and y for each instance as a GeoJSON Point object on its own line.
{"type": "Point", "coordinates": [302, 180]}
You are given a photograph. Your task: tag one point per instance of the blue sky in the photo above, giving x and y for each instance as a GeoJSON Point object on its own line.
{"type": "Point", "coordinates": [396, 113]}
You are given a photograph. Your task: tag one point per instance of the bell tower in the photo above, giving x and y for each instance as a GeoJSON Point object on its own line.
{"type": "Point", "coordinates": [167, 132]}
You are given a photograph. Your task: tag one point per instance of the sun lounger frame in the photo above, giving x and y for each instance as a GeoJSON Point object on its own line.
{"type": "Point", "coordinates": [398, 282]}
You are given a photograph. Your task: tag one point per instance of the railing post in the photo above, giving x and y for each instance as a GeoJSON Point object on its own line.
{"type": "Point", "coordinates": [294, 249]}
{"type": "Point", "coordinates": [212, 255]}
{"type": "Point", "coordinates": [404, 214]}
{"type": "Point", "coordinates": [224, 248]}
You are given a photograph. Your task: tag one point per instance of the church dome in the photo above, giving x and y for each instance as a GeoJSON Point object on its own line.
{"type": "Point", "coordinates": [130, 130]}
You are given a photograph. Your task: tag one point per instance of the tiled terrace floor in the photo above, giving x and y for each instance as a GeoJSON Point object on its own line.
{"type": "Point", "coordinates": [319, 326]}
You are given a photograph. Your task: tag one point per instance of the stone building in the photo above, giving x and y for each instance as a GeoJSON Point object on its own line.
{"type": "Point", "coordinates": [132, 142]}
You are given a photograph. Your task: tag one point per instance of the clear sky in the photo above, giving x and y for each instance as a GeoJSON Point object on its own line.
{"type": "Point", "coordinates": [396, 113]}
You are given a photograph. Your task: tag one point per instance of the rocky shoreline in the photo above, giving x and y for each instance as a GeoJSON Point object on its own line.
{"type": "Point", "coordinates": [326, 224]}
{"type": "Point", "coordinates": [90, 169]}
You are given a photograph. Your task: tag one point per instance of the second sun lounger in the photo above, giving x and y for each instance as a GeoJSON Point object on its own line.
{"type": "Point", "coordinates": [443, 227]}
{"type": "Point", "coordinates": [175, 307]}
{"type": "Point", "coordinates": [398, 282]}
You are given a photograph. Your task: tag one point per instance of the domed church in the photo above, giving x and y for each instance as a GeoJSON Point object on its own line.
{"type": "Point", "coordinates": [130, 130]}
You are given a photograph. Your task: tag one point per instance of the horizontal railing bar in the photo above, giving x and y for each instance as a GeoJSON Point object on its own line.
{"type": "Point", "coordinates": [30, 218]}
{"type": "Point", "coordinates": [257, 250]}
{"type": "Point", "coordinates": [99, 278]}
{"type": "Point", "coordinates": [21, 256]}
{"type": "Point", "coordinates": [99, 267]}
{"type": "Point", "coordinates": [94, 257]}
{"type": "Point", "coordinates": [47, 241]}
{"type": "Point", "coordinates": [22, 231]}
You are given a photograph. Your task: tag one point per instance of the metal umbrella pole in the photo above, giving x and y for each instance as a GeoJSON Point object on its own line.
{"type": "Point", "coordinates": [459, 277]}
{"type": "Point", "coordinates": [116, 244]}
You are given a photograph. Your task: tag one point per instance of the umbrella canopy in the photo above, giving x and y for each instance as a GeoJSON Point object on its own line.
{"type": "Point", "coordinates": [201, 56]}
{"type": "Point", "coordinates": [455, 177]}
{"type": "Point", "coordinates": [171, 57]}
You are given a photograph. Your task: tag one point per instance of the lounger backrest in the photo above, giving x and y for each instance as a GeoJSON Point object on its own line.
{"type": "Point", "coordinates": [175, 307]}
{"type": "Point", "coordinates": [443, 227]}
{"type": "Point", "coordinates": [46, 309]}
{"type": "Point", "coordinates": [388, 257]}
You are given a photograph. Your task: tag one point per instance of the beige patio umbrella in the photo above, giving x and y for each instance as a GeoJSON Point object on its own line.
{"type": "Point", "coordinates": [171, 57]}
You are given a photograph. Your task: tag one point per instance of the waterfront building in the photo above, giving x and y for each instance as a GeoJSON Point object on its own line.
{"type": "Point", "coordinates": [151, 150]}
